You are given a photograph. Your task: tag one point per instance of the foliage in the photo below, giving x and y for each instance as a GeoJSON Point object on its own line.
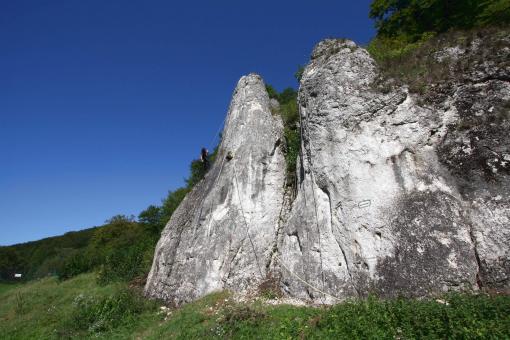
{"type": "Point", "coordinates": [299, 73]}
{"type": "Point", "coordinates": [99, 314]}
{"type": "Point", "coordinates": [119, 219]}
{"type": "Point", "coordinates": [385, 49]}
{"type": "Point", "coordinates": [412, 18]}
{"type": "Point", "coordinates": [273, 94]}
{"type": "Point", "coordinates": [20, 306]}
{"type": "Point", "coordinates": [41, 258]}
{"type": "Point", "coordinates": [418, 66]}
{"type": "Point", "coordinates": [74, 265]}
{"type": "Point", "coordinates": [151, 219]}
{"type": "Point", "coordinates": [270, 287]}
{"type": "Point", "coordinates": [405, 25]}
{"type": "Point", "coordinates": [496, 12]}
{"type": "Point", "coordinates": [197, 172]}
{"type": "Point", "coordinates": [80, 308]}
{"type": "Point", "coordinates": [126, 264]}
{"type": "Point", "coordinates": [171, 202]}
{"type": "Point", "coordinates": [456, 316]}
{"type": "Point", "coordinates": [121, 249]}
{"type": "Point", "coordinates": [289, 112]}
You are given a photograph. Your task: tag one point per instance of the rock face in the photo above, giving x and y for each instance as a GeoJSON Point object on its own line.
{"type": "Point", "coordinates": [223, 233]}
{"type": "Point", "coordinates": [394, 197]}
{"type": "Point", "coordinates": [397, 193]}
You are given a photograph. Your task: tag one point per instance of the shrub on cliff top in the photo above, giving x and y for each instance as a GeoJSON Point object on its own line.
{"type": "Point", "coordinates": [289, 112]}
{"type": "Point", "coordinates": [405, 25]}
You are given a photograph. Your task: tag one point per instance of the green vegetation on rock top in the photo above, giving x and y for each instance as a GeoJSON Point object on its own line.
{"type": "Point", "coordinates": [405, 25]}
{"type": "Point", "coordinates": [289, 111]}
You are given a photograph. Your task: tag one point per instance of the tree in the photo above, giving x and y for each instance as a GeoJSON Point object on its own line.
{"type": "Point", "coordinates": [273, 94]}
{"type": "Point", "coordinates": [151, 219]}
{"type": "Point", "coordinates": [299, 73]}
{"type": "Point", "coordinates": [409, 20]}
{"type": "Point", "coordinates": [171, 202]}
{"type": "Point", "coordinates": [120, 219]}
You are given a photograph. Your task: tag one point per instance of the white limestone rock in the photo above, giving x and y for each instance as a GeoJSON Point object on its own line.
{"type": "Point", "coordinates": [398, 193]}
{"type": "Point", "coordinates": [223, 233]}
{"type": "Point", "coordinates": [378, 209]}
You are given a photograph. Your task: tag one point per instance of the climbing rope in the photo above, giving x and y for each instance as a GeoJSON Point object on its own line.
{"type": "Point", "coordinates": [222, 125]}
{"type": "Point", "coordinates": [321, 291]}
{"type": "Point", "coordinates": [312, 175]}
{"type": "Point", "coordinates": [275, 255]}
{"type": "Point", "coordinates": [244, 218]}
{"type": "Point", "coordinates": [314, 200]}
{"type": "Point", "coordinates": [304, 281]}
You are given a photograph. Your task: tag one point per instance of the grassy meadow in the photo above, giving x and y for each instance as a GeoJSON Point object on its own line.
{"type": "Point", "coordinates": [80, 308]}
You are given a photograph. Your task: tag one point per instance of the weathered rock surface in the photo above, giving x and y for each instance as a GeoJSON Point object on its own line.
{"type": "Point", "coordinates": [398, 194]}
{"type": "Point", "coordinates": [223, 233]}
{"type": "Point", "coordinates": [394, 197]}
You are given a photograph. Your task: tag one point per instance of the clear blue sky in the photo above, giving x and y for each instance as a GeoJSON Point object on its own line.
{"type": "Point", "coordinates": [103, 104]}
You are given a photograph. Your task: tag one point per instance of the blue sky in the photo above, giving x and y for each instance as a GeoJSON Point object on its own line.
{"type": "Point", "coordinates": [103, 104]}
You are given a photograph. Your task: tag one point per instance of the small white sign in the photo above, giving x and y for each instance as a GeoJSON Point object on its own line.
{"type": "Point", "coordinates": [18, 276]}
{"type": "Point", "coordinates": [364, 204]}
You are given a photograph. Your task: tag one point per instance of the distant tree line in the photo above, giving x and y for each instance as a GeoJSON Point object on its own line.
{"type": "Point", "coordinates": [121, 249]}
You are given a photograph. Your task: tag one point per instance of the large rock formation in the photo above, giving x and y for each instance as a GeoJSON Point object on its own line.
{"type": "Point", "coordinates": [398, 194]}
{"type": "Point", "coordinates": [379, 208]}
{"type": "Point", "coordinates": [223, 233]}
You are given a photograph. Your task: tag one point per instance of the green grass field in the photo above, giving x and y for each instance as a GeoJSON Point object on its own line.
{"type": "Point", "coordinates": [5, 287]}
{"type": "Point", "coordinates": [79, 308]}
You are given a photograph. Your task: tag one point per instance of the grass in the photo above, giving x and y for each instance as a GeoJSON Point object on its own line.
{"type": "Point", "coordinates": [5, 287]}
{"type": "Point", "coordinates": [417, 65]}
{"type": "Point", "coordinates": [79, 308]}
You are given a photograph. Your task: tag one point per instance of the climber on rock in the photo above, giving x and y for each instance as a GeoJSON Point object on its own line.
{"type": "Point", "coordinates": [204, 157]}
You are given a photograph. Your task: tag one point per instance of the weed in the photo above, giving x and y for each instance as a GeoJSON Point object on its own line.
{"type": "Point", "coordinates": [270, 288]}
{"type": "Point", "coordinates": [95, 314]}
{"type": "Point", "coordinates": [20, 305]}
{"type": "Point", "coordinates": [83, 309]}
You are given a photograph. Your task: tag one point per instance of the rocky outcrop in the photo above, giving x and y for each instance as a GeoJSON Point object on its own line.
{"type": "Point", "coordinates": [397, 193]}
{"type": "Point", "coordinates": [223, 233]}
{"type": "Point", "coordinates": [395, 197]}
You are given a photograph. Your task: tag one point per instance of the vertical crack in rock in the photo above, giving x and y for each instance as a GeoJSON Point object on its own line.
{"type": "Point", "coordinates": [282, 219]}
{"type": "Point", "coordinates": [390, 163]}
{"type": "Point", "coordinates": [479, 281]}
{"type": "Point", "coordinates": [347, 264]}
{"type": "Point", "coordinates": [201, 249]}
{"type": "Point", "coordinates": [429, 172]}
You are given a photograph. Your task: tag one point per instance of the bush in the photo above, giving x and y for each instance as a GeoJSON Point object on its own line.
{"type": "Point", "coordinates": [273, 94]}
{"type": "Point", "coordinates": [75, 264]}
{"type": "Point", "coordinates": [299, 73]}
{"type": "Point", "coordinates": [404, 25]}
{"type": "Point", "coordinates": [384, 48]}
{"type": "Point", "coordinates": [100, 314]}
{"type": "Point", "coordinates": [289, 112]}
{"type": "Point", "coordinates": [125, 264]}
{"type": "Point", "coordinates": [151, 219]}
{"type": "Point", "coordinates": [410, 19]}
{"type": "Point", "coordinates": [417, 65]}
{"type": "Point", "coordinates": [497, 12]}
{"type": "Point", "coordinates": [456, 316]}
{"type": "Point", "coordinates": [171, 203]}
